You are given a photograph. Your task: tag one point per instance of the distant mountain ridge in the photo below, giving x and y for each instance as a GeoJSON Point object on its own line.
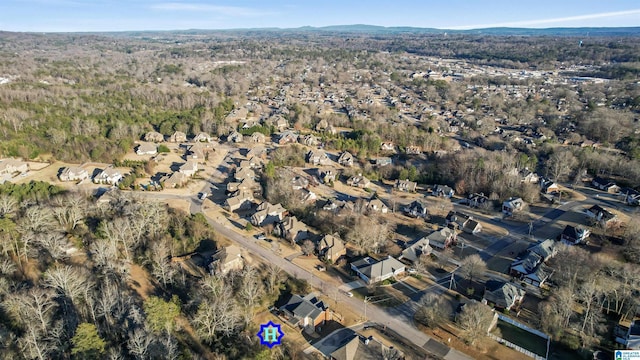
{"type": "Point", "coordinates": [505, 31]}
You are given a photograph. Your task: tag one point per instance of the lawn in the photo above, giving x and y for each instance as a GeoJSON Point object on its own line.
{"type": "Point", "coordinates": [522, 338]}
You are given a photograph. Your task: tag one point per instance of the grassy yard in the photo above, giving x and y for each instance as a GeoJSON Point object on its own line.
{"type": "Point", "coordinates": [522, 338]}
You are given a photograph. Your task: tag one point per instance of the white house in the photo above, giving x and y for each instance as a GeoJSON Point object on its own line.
{"type": "Point", "coordinates": [108, 176]}
{"type": "Point", "coordinates": [73, 173]}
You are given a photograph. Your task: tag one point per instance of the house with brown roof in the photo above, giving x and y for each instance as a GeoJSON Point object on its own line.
{"type": "Point", "coordinates": [267, 213]}
{"type": "Point", "coordinates": [235, 137]}
{"type": "Point", "coordinates": [258, 138]}
{"type": "Point", "coordinates": [189, 168]}
{"type": "Point", "coordinates": [226, 260]}
{"type": "Point", "coordinates": [147, 149]}
{"type": "Point", "coordinates": [318, 157]}
{"type": "Point", "coordinates": [331, 247]}
{"type": "Point", "coordinates": [413, 150]}
{"type": "Point", "coordinates": [406, 185]}
{"type": "Point", "coordinates": [241, 200]}
{"type": "Point", "coordinates": [306, 312]}
{"type": "Point", "coordinates": [377, 206]}
{"type": "Point", "coordinates": [292, 229]}
{"type": "Point", "coordinates": [358, 181]}
{"type": "Point", "coordinates": [176, 179]}
{"type": "Point", "coordinates": [345, 159]}
{"type": "Point", "coordinates": [153, 136]}
{"type": "Point", "coordinates": [202, 137]}
{"type": "Point", "coordinates": [178, 137]}
{"type": "Point", "coordinates": [356, 347]}
{"type": "Point", "coordinates": [287, 137]}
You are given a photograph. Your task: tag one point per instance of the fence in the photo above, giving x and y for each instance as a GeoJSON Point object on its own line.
{"type": "Point", "coordinates": [525, 328]}
{"type": "Point", "coordinates": [516, 347]}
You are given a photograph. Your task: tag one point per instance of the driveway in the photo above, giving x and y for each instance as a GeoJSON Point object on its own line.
{"type": "Point", "coordinates": [352, 285]}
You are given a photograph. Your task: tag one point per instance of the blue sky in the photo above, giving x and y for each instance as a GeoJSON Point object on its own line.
{"type": "Point", "coordinates": [119, 15]}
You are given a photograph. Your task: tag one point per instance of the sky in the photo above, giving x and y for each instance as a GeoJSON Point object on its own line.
{"type": "Point", "coordinates": [126, 15]}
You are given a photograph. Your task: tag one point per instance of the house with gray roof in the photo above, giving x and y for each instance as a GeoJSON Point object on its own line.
{"type": "Point", "coordinates": [373, 271]}
{"type": "Point", "coordinates": [415, 250]}
{"type": "Point", "coordinates": [502, 295]}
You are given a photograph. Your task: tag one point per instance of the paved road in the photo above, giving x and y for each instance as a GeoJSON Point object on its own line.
{"type": "Point", "coordinates": [399, 319]}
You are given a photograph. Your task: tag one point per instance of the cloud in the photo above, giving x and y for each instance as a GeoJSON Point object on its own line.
{"type": "Point", "coordinates": [561, 20]}
{"type": "Point", "coordinates": [222, 10]}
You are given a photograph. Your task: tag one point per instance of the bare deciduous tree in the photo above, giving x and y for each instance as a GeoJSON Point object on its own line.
{"type": "Point", "coordinates": [472, 266]}
{"type": "Point", "coordinates": [474, 320]}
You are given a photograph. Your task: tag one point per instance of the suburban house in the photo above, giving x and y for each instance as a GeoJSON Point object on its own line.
{"type": "Point", "coordinates": [235, 137]}
{"type": "Point", "coordinates": [244, 173]}
{"type": "Point", "coordinates": [457, 220]}
{"type": "Point", "coordinates": [178, 137]}
{"type": "Point", "coordinates": [306, 312]}
{"type": "Point", "coordinates": [299, 183]}
{"type": "Point", "coordinates": [147, 149]}
{"type": "Point", "coordinates": [356, 347]}
{"type": "Point", "coordinates": [528, 176]}
{"type": "Point", "coordinates": [287, 137]}
{"type": "Point", "coordinates": [442, 238]}
{"type": "Point", "coordinates": [502, 295]}
{"type": "Point", "coordinates": [339, 207]}
{"type": "Point", "coordinates": [531, 268]}
{"type": "Point", "coordinates": [512, 205]}
{"type": "Point", "coordinates": [414, 251]}
{"type": "Point", "coordinates": [416, 209]}
{"type": "Point", "coordinates": [331, 247]}
{"type": "Point", "coordinates": [189, 168]}
{"type": "Point", "coordinates": [406, 185]}
{"type": "Point", "coordinates": [292, 229]}
{"type": "Point", "coordinates": [268, 213]}
{"type": "Point", "coordinates": [605, 185]}
{"type": "Point", "coordinates": [10, 166]}
{"type": "Point", "coordinates": [202, 137]}
{"type": "Point", "coordinates": [318, 157]}
{"type": "Point", "coordinates": [345, 159]}
{"type": "Point", "coordinates": [413, 150]}
{"type": "Point", "coordinates": [472, 227]}
{"type": "Point", "coordinates": [376, 205]}
{"type": "Point", "coordinates": [226, 260]}
{"type": "Point", "coordinates": [199, 150]}
{"type": "Point", "coordinates": [108, 176]}
{"type": "Point", "coordinates": [258, 138]}
{"type": "Point", "coordinates": [548, 186]}
{"type": "Point", "coordinates": [358, 181]}
{"type": "Point", "coordinates": [373, 271]}
{"type": "Point", "coordinates": [242, 200]}
{"type": "Point", "coordinates": [73, 173]}
{"type": "Point", "coordinates": [244, 185]}
{"type": "Point", "coordinates": [601, 215]}
{"type": "Point", "coordinates": [631, 197]}
{"type": "Point", "coordinates": [382, 161]}
{"type": "Point", "coordinates": [476, 200]}
{"type": "Point", "coordinates": [153, 136]}
{"type": "Point", "coordinates": [628, 333]}
{"type": "Point", "coordinates": [443, 191]}
{"type": "Point", "coordinates": [388, 146]}
{"type": "Point", "coordinates": [326, 175]}
{"type": "Point", "coordinates": [177, 179]}
{"type": "Point", "coordinates": [572, 235]}
{"type": "Point", "coordinates": [310, 140]}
